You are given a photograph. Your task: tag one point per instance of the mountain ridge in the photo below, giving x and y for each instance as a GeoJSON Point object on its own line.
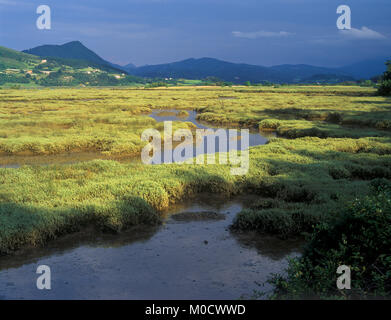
{"type": "Point", "coordinates": [201, 68]}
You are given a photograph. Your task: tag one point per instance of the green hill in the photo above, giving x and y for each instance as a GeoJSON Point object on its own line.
{"type": "Point", "coordinates": [14, 59]}
{"type": "Point", "coordinates": [19, 68]}
{"type": "Point", "coordinates": [73, 50]}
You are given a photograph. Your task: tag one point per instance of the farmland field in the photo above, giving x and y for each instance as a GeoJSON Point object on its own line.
{"type": "Point", "coordinates": [67, 157]}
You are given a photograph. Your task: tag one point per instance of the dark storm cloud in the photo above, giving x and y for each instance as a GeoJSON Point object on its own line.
{"type": "Point", "coordinates": [157, 31]}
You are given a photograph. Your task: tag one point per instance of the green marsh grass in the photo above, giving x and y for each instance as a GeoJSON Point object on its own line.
{"type": "Point", "coordinates": [326, 161]}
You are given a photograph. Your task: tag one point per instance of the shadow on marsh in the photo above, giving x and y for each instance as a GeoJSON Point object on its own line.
{"type": "Point", "coordinates": [142, 235]}
{"type": "Point", "coordinates": [386, 101]}
{"type": "Point", "coordinates": [88, 237]}
{"type": "Point", "coordinates": [33, 231]}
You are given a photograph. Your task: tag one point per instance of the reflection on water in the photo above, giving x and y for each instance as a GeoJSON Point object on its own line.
{"type": "Point", "coordinates": [255, 138]}
{"type": "Point", "coordinates": [267, 245]}
{"type": "Point", "coordinates": [14, 162]}
{"type": "Point", "coordinates": [181, 259]}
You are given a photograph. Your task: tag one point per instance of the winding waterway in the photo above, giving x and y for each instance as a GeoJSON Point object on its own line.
{"type": "Point", "coordinates": [160, 115]}
{"type": "Point", "coordinates": [255, 138]}
{"type": "Point", "coordinates": [192, 255]}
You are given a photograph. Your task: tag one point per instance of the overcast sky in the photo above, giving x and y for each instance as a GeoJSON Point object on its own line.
{"type": "Point", "coordinates": [263, 32]}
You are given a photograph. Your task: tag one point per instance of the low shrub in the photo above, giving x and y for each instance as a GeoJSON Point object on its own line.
{"type": "Point", "coordinates": [385, 88]}
{"type": "Point", "coordinates": [334, 117]}
{"type": "Point", "coordinates": [269, 124]}
{"type": "Point", "coordinates": [360, 238]}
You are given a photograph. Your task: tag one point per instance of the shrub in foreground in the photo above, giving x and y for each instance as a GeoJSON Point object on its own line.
{"type": "Point", "coordinates": [360, 238]}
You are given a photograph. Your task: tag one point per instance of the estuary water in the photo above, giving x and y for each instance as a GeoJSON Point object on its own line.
{"type": "Point", "coordinates": [161, 115]}
{"type": "Point", "coordinates": [193, 255]}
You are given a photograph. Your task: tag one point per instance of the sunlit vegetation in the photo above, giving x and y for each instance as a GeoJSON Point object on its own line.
{"type": "Point", "coordinates": [26, 70]}
{"type": "Point", "coordinates": [304, 111]}
{"type": "Point", "coordinates": [109, 121]}
{"type": "Point", "coordinates": [47, 122]}
{"type": "Point", "coordinates": [333, 145]}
